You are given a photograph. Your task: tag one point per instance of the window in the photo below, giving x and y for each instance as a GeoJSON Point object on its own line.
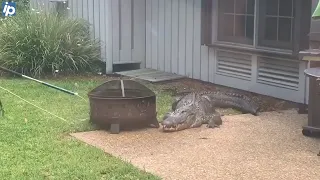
{"type": "Point", "coordinates": [276, 23]}
{"type": "Point", "coordinates": [264, 24]}
{"type": "Point", "coordinates": [236, 21]}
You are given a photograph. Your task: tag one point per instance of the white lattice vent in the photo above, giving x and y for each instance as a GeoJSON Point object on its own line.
{"type": "Point", "coordinates": [278, 72]}
{"type": "Point", "coordinates": [234, 65]}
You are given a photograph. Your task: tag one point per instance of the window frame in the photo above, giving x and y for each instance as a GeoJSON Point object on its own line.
{"type": "Point", "coordinates": [301, 29]}
{"type": "Point", "coordinates": [263, 43]}
{"type": "Point", "coordinates": [240, 40]}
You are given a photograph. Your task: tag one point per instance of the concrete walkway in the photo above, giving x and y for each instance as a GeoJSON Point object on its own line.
{"type": "Point", "coordinates": [269, 146]}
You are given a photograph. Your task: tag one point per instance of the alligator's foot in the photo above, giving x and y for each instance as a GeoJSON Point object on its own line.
{"type": "Point", "coordinates": [212, 125]}
{"type": "Point", "coordinates": [215, 121]}
{"type": "Point", "coordinates": [196, 124]}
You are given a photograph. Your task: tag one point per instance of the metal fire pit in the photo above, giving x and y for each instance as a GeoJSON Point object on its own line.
{"type": "Point", "coordinates": [123, 104]}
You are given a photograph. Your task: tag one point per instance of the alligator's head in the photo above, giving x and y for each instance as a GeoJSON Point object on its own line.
{"type": "Point", "coordinates": [179, 119]}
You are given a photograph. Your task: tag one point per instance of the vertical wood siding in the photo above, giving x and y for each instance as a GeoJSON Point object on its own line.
{"type": "Point", "coordinates": [173, 38]}
{"type": "Point", "coordinates": [119, 25]}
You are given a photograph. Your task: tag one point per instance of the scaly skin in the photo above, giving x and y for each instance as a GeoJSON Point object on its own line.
{"type": "Point", "coordinates": [196, 109]}
{"type": "Point", "coordinates": [222, 100]}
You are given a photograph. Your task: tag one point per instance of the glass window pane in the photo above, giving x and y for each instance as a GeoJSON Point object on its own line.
{"type": "Point", "coordinates": [240, 7]}
{"type": "Point", "coordinates": [285, 7]}
{"type": "Point", "coordinates": [250, 6]}
{"type": "Point", "coordinates": [250, 27]}
{"type": "Point", "coordinates": [236, 26]}
{"type": "Point", "coordinates": [285, 29]}
{"type": "Point", "coordinates": [227, 6]}
{"type": "Point", "coordinates": [271, 28]}
{"type": "Point", "coordinates": [228, 25]}
{"type": "Point", "coordinates": [272, 7]}
{"type": "Point", "coordinates": [240, 26]}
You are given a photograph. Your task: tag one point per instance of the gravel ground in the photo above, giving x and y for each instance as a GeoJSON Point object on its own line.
{"type": "Point", "coordinates": [269, 146]}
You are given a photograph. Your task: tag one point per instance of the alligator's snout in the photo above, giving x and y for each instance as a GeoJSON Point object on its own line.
{"type": "Point", "coordinates": [177, 123]}
{"type": "Point", "coordinates": [169, 124]}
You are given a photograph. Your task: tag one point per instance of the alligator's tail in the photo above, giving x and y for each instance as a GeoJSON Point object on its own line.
{"type": "Point", "coordinates": [232, 100]}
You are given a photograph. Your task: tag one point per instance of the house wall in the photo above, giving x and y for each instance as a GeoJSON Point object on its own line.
{"type": "Point", "coordinates": [118, 24]}
{"type": "Point", "coordinates": [173, 44]}
{"type": "Point", "coordinates": [166, 35]}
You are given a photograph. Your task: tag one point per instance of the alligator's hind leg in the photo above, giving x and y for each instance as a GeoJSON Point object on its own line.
{"type": "Point", "coordinates": [214, 120]}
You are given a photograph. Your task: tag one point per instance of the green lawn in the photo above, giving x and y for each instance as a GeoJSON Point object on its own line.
{"type": "Point", "coordinates": [36, 145]}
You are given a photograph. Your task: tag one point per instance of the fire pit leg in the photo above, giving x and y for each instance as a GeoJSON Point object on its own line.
{"type": "Point", "coordinates": [115, 128]}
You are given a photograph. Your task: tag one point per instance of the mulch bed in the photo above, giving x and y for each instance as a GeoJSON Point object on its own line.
{"type": "Point", "coordinates": [266, 103]}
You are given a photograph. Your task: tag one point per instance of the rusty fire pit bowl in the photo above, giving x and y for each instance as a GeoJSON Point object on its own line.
{"type": "Point", "coordinates": [123, 104]}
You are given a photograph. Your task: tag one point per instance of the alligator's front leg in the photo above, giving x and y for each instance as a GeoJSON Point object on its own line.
{"type": "Point", "coordinates": [198, 122]}
{"type": "Point", "coordinates": [214, 120]}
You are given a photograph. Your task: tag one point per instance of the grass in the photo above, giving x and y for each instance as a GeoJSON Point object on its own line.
{"type": "Point", "coordinates": [35, 145]}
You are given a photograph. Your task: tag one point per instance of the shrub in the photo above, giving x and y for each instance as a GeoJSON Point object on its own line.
{"type": "Point", "coordinates": [22, 4]}
{"type": "Point", "coordinates": [40, 43]}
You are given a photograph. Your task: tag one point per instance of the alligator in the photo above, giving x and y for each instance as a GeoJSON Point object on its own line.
{"type": "Point", "coordinates": [192, 112]}
{"type": "Point", "coordinates": [195, 109]}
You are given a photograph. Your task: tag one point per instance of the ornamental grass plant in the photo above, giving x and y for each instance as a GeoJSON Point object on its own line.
{"type": "Point", "coordinates": [37, 44]}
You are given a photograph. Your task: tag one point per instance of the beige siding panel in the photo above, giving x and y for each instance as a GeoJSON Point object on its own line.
{"type": "Point", "coordinates": [125, 30]}
{"type": "Point", "coordinates": [197, 40]}
{"type": "Point", "coordinates": [189, 37]}
{"type": "Point", "coordinates": [103, 28]}
{"type": "Point", "coordinates": [204, 63]}
{"type": "Point", "coordinates": [85, 9]}
{"type": "Point", "coordinates": [139, 32]}
{"type": "Point", "coordinates": [115, 31]}
{"type": "Point", "coordinates": [109, 35]}
{"type": "Point", "coordinates": [168, 34]}
{"type": "Point", "coordinates": [212, 65]}
{"type": "Point", "coordinates": [175, 36]}
{"type": "Point", "coordinates": [155, 33]}
{"type": "Point", "coordinates": [182, 37]}
{"type": "Point", "coordinates": [96, 19]}
{"type": "Point", "coordinates": [79, 8]}
{"type": "Point", "coordinates": [148, 33]}
{"type": "Point", "coordinates": [161, 30]}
